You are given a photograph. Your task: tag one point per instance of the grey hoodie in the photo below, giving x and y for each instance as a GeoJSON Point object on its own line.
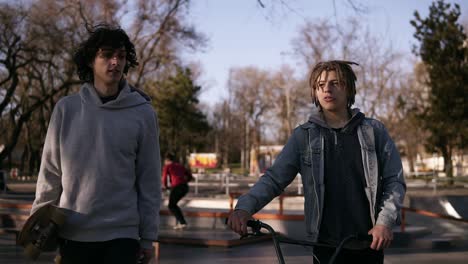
{"type": "Point", "coordinates": [101, 163]}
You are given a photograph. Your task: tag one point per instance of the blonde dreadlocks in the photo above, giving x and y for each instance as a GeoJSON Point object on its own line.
{"type": "Point", "coordinates": [345, 75]}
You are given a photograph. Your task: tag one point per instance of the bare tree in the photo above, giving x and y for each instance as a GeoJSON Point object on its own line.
{"type": "Point", "coordinates": [315, 42]}
{"type": "Point", "coordinates": [251, 94]}
{"type": "Point", "coordinates": [407, 131]}
{"type": "Point", "coordinates": [291, 97]}
{"type": "Point", "coordinates": [227, 129]}
{"type": "Point", "coordinates": [158, 31]}
{"type": "Point", "coordinates": [354, 5]}
{"type": "Point", "coordinates": [36, 48]}
{"type": "Point", "coordinates": [378, 70]}
{"type": "Point", "coordinates": [25, 61]}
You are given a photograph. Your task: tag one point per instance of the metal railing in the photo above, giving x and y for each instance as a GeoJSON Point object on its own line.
{"type": "Point", "coordinates": [428, 214]}
{"type": "Point", "coordinates": [233, 196]}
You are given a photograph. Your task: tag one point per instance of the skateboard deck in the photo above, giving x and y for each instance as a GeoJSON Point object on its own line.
{"type": "Point", "coordinates": [40, 232]}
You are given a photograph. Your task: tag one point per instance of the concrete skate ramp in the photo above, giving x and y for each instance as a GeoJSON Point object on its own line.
{"type": "Point", "coordinates": [455, 206]}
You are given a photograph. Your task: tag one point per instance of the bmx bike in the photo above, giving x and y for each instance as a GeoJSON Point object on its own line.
{"type": "Point", "coordinates": [257, 225]}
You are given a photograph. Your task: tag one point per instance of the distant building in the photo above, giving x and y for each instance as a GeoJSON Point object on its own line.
{"type": "Point", "coordinates": [262, 158]}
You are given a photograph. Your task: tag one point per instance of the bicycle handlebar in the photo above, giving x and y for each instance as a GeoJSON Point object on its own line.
{"type": "Point", "coordinates": [254, 224]}
{"type": "Point", "coordinates": [257, 225]}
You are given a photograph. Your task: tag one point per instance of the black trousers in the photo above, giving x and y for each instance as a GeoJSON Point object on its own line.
{"type": "Point", "coordinates": [364, 256]}
{"type": "Point", "coordinates": [121, 251]}
{"type": "Point", "coordinates": [177, 193]}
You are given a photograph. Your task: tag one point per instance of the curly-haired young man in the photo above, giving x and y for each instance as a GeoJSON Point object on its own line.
{"type": "Point", "coordinates": [101, 159]}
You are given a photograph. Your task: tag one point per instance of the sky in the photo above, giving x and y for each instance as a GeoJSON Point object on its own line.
{"type": "Point", "coordinates": [241, 33]}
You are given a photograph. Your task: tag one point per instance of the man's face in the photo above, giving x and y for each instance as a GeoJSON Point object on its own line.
{"type": "Point", "coordinates": [330, 93]}
{"type": "Point", "coordinates": [109, 64]}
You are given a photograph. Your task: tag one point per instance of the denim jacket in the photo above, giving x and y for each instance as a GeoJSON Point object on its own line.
{"type": "Point", "coordinates": [304, 154]}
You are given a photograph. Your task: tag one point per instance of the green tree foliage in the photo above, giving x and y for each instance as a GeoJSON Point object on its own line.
{"type": "Point", "coordinates": [443, 50]}
{"type": "Point", "coordinates": [183, 126]}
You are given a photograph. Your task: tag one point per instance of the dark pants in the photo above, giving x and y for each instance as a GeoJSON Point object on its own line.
{"type": "Point", "coordinates": [121, 251]}
{"type": "Point", "coordinates": [364, 256]}
{"type": "Point", "coordinates": [177, 193]}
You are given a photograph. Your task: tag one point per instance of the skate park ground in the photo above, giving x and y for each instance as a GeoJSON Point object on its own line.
{"type": "Point", "coordinates": [207, 240]}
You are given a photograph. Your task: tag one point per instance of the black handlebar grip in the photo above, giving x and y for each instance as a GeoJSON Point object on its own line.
{"type": "Point", "coordinates": [254, 224]}
{"type": "Point", "coordinates": [363, 237]}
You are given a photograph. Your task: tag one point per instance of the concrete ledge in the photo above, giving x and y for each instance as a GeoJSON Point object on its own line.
{"type": "Point", "coordinates": [405, 239]}
{"type": "Point", "coordinates": [207, 228]}
{"type": "Point", "coordinates": [207, 237]}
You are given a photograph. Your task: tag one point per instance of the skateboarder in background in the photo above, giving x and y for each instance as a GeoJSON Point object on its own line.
{"type": "Point", "coordinates": [101, 160]}
{"type": "Point", "coordinates": [179, 176]}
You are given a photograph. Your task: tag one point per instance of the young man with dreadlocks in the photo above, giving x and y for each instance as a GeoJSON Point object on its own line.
{"type": "Point", "coordinates": [350, 167]}
{"type": "Point", "coordinates": [101, 159]}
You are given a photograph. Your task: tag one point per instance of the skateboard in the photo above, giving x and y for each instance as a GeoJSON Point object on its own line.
{"type": "Point", "coordinates": [40, 232]}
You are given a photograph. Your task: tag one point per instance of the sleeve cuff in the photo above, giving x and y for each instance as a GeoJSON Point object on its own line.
{"type": "Point", "coordinates": [382, 220]}
{"type": "Point", "coordinates": [146, 244]}
{"type": "Point", "coordinates": [251, 212]}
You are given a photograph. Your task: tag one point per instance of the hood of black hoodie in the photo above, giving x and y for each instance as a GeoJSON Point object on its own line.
{"type": "Point", "coordinates": [128, 97]}
{"type": "Point", "coordinates": [357, 116]}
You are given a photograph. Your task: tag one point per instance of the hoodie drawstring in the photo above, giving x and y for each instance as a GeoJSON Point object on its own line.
{"type": "Point", "coordinates": [336, 138]}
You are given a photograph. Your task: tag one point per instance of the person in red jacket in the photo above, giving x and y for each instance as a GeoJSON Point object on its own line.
{"type": "Point", "coordinates": [179, 177]}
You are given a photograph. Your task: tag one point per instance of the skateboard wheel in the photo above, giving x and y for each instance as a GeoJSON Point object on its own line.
{"type": "Point", "coordinates": [58, 217]}
{"type": "Point", "coordinates": [32, 251]}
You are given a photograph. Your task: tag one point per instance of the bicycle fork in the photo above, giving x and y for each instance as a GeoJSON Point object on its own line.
{"type": "Point", "coordinates": [279, 253]}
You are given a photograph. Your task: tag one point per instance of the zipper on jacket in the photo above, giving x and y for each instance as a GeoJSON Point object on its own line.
{"type": "Point", "coordinates": [335, 136]}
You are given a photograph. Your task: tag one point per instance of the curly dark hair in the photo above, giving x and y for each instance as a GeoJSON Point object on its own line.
{"type": "Point", "coordinates": [344, 74]}
{"type": "Point", "coordinates": [102, 36]}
